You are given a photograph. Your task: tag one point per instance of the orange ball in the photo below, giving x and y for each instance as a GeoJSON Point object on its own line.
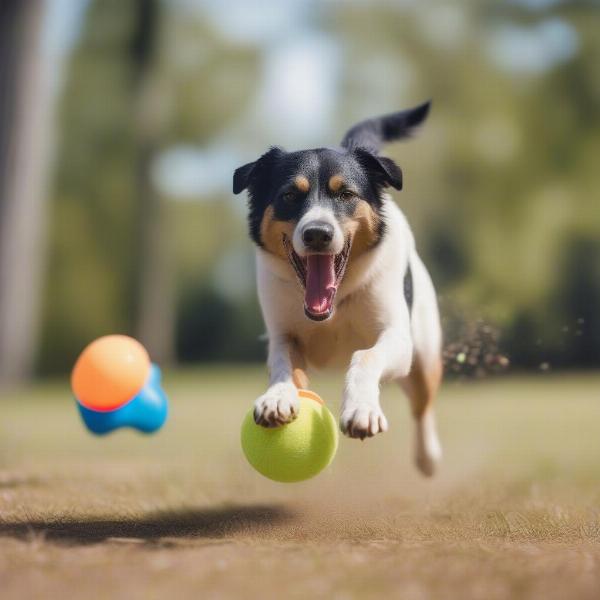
{"type": "Point", "coordinates": [110, 372]}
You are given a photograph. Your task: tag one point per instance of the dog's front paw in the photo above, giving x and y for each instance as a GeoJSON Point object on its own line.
{"type": "Point", "coordinates": [363, 420]}
{"type": "Point", "coordinates": [278, 406]}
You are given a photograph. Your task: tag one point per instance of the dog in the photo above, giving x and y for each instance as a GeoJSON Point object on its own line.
{"type": "Point", "coordinates": [340, 281]}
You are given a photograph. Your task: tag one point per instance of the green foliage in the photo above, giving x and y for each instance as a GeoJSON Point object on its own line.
{"type": "Point", "coordinates": [205, 80]}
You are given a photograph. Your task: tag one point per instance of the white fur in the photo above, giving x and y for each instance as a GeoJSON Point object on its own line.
{"type": "Point", "coordinates": [371, 330]}
{"type": "Point", "coordinates": [325, 215]}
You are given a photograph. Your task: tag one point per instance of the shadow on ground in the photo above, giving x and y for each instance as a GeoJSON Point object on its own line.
{"type": "Point", "coordinates": [8, 483]}
{"type": "Point", "coordinates": [209, 523]}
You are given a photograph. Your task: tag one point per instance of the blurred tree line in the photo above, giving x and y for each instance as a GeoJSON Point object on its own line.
{"type": "Point", "coordinates": [501, 188]}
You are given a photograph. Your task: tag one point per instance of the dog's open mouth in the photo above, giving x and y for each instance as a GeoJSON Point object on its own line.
{"type": "Point", "coordinates": [320, 275]}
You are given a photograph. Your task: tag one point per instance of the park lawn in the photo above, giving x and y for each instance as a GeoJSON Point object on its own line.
{"type": "Point", "coordinates": [514, 512]}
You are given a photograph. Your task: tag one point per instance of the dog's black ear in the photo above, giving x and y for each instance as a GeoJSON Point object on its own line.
{"type": "Point", "coordinates": [385, 171]}
{"type": "Point", "coordinates": [241, 177]}
{"type": "Point", "coordinates": [246, 174]}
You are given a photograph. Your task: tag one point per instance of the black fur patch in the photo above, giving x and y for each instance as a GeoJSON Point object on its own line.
{"type": "Point", "coordinates": [408, 288]}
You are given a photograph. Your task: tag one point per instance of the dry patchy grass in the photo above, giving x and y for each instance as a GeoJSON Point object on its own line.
{"type": "Point", "coordinates": [513, 513]}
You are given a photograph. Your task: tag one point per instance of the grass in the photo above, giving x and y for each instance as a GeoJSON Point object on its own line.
{"type": "Point", "coordinates": [513, 513]}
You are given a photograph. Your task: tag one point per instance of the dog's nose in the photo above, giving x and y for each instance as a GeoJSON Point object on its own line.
{"type": "Point", "coordinates": [317, 235]}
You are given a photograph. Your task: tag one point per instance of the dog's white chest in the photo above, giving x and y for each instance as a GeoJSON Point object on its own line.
{"type": "Point", "coordinates": [331, 344]}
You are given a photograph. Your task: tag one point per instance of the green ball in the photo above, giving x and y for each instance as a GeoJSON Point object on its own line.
{"type": "Point", "coordinates": [296, 451]}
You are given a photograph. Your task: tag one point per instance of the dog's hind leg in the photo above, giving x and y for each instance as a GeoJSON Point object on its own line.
{"type": "Point", "coordinates": [422, 382]}
{"type": "Point", "coordinates": [421, 387]}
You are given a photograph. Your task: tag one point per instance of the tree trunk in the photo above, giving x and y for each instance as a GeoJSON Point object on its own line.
{"type": "Point", "coordinates": [24, 142]}
{"type": "Point", "coordinates": [154, 309]}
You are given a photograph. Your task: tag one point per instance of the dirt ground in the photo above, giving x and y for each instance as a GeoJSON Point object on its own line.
{"type": "Point", "coordinates": [514, 512]}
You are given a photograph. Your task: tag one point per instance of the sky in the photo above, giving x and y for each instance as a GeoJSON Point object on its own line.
{"type": "Point", "coordinates": [62, 27]}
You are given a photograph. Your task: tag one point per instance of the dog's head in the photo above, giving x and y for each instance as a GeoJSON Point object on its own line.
{"type": "Point", "coordinates": [318, 209]}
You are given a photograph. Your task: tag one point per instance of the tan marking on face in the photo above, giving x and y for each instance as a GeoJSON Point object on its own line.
{"type": "Point", "coordinates": [335, 183]}
{"type": "Point", "coordinates": [271, 233]}
{"type": "Point", "coordinates": [302, 183]}
{"type": "Point", "coordinates": [362, 226]}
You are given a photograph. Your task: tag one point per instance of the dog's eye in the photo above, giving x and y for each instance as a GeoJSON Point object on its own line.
{"type": "Point", "coordinates": [347, 195]}
{"type": "Point", "coordinates": [288, 196]}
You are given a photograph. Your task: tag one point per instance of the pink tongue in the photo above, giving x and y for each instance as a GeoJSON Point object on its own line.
{"type": "Point", "coordinates": [320, 282]}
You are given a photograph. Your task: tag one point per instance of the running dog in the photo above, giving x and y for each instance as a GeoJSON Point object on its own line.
{"type": "Point", "coordinates": [340, 281]}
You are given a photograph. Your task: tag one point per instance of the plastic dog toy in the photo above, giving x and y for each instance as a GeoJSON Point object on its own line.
{"type": "Point", "coordinates": [115, 385]}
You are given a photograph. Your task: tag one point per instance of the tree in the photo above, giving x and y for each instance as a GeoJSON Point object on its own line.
{"type": "Point", "coordinates": [25, 103]}
{"type": "Point", "coordinates": [152, 294]}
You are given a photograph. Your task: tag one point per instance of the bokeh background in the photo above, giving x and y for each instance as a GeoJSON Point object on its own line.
{"type": "Point", "coordinates": [121, 122]}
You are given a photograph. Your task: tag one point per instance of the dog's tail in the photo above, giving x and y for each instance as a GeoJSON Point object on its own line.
{"type": "Point", "coordinates": [373, 133]}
